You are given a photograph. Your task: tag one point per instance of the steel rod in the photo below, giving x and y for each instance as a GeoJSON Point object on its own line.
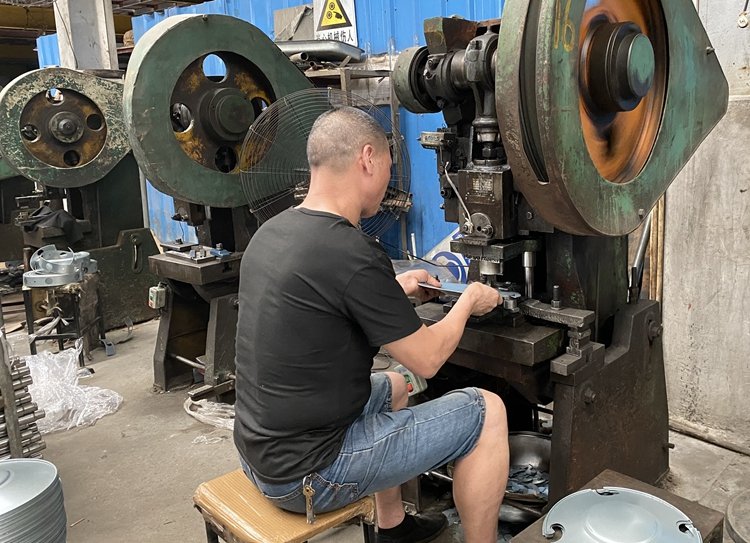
{"type": "Point", "coordinates": [26, 435]}
{"type": "Point", "coordinates": [21, 411]}
{"type": "Point", "coordinates": [25, 443]}
{"type": "Point", "coordinates": [187, 361]}
{"type": "Point", "coordinates": [440, 476]}
{"type": "Point", "coordinates": [20, 399]}
{"type": "Point", "coordinates": [25, 420]}
{"type": "Point", "coordinates": [636, 274]}
{"type": "Point", "coordinates": [321, 49]}
{"type": "Point", "coordinates": [28, 451]}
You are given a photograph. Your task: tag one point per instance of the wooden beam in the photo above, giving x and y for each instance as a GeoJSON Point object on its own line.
{"type": "Point", "coordinates": [44, 19]}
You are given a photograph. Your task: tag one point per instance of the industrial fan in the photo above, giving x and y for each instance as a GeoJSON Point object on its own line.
{"type": "Point", "coordinates": [275, 174]}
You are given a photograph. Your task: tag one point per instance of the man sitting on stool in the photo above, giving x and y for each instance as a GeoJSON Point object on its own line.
{"type": "Point", "coordinates": [318, 298]}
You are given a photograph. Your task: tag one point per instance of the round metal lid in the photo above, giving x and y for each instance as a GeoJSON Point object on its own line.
{"type": "Point", "coordinates": [621, 515]}
{"type": "Point", "coordinates": [22, 480]}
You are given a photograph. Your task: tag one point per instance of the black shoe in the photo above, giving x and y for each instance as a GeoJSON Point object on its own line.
{"type": "Point", "coordinates": [418, 529]}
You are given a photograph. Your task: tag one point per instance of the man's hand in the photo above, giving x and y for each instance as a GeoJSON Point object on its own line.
{"type": "Point", "coordinates": [484, 299]}
{"type": "Point", "coordinates": [410, 280]}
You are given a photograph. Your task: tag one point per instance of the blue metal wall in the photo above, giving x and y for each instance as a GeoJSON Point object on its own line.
{"type": "Point", "coordinates": [383, 26]}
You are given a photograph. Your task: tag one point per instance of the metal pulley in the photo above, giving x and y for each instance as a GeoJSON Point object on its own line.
{"type": "Point", "coordinates": [62, 128]}
{"type": "Point", "coordinates": [600, 105]}
{"type": "Point", "coordinates": [186, 126]}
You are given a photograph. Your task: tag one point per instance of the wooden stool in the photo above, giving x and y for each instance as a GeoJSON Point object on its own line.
{"type": "Point", "coordinates": [235, 510]}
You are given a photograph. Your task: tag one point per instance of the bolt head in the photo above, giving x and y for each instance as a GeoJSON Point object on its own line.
{"type": "Point", "coordinates": [655, 330]}
{"type": "Point", "coordinates": [529, 215]}
{"type": "Point", "coordinates": [67, 127]}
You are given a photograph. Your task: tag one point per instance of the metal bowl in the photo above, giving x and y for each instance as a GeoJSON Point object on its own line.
{"type": "Point", "coordinates": [529, 449]}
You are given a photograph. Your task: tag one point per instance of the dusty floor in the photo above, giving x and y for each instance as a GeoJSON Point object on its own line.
{"type": "Point", "coordinates": [130, 477]}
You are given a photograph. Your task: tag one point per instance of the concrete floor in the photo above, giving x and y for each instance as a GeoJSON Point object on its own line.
{"type": "Point", "coordinates": [130, 477]}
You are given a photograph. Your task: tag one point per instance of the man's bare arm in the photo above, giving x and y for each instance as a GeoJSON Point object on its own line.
{"type": "Point", "coordinates": [426, 350]}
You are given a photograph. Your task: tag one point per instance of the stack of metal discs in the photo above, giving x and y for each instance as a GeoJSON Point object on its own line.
{"type": "Point", "coordinates": [31, 502]}
{"type": "Point", "coordinates": [27, 411]}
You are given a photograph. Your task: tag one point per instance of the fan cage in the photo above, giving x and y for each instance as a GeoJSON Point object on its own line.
{"type": "Point", "coordinates": [274, 170]}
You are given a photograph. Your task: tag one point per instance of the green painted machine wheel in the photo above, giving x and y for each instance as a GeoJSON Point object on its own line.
{"type": "Point", "coordinates": [186, 127]}
{"type": "Point", "coordinates": [601, 104]}
{"type": "Point", "coordinates": [62, 128]}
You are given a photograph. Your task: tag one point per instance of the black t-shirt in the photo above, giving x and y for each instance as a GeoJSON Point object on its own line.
{"type": "Point", "coordinates": [317, 299]}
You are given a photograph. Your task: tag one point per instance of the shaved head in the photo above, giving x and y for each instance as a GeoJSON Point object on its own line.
{"type": "Point", "coordinates": [338, 135]}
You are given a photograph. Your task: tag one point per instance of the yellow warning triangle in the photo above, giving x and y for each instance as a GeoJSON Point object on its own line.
{"type": "Point", "coordinates": [333, 16]}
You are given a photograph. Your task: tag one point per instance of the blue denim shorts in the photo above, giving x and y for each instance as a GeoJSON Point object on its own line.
{"type": "Point", "coordinates": [384, 448]}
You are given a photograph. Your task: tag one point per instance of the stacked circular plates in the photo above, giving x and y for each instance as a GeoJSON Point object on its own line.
{"type": "Point", "coordinates": [31, 502]}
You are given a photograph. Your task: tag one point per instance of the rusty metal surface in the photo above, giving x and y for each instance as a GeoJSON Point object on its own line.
{"type": "Point", "coordinates": [619, 147]}
{"type": "Point", "coordinates": [577, 318]}
{"type": "Point", "coordinates": [201, 141]}
{"type": "Point", "coordinates": [610, 408]}
{"type": "Point", "coordinates": [539, 111]}
{"type": "Point", "coordinates": [39, 117]}
{"type": "Point", "coordinates": [30, 116]}
{"type": "Point", "coordinates": [408, 83]}
{"type": "Point", "coordinates": [181, 269]}
{"type": "Point", "coordinates": [221, 330]}
{"type": "Point", "coordinates": [444, 34]}
{"type": "Point", "coordinates": [11, 238]}
{"type": "Point", "coordinates": [591, 273]}
{"type": "Point", "coordinates": [198, 326]}
{"type": "Point", "coordinates": [182, 331]}
{"type": "Point", "coordinates": [125, 277]}
{"type": "Point", "coordinates": [526, 344]}
{"type": "Point", "coordinates": [197, 158]}
{"type": "Point", "coordinates": [612, 413]}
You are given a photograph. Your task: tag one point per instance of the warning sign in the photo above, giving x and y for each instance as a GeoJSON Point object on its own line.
{"type": "Point", "coordinates": [333, 16]}
{"type": "Point", "coordinates": [335, 20]}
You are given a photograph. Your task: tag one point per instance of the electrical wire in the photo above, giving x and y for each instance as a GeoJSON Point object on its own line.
{"type": "Point", "coordinates": [182, 229]}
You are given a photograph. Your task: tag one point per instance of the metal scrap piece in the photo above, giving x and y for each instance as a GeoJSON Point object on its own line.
{"type": "Point", "coordinates": [528, 481]}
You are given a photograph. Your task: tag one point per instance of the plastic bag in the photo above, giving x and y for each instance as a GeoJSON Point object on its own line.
{"type": "Point", "coordinates": [216, 414]}
{"type": "Point", "coordinates": [55, 389]}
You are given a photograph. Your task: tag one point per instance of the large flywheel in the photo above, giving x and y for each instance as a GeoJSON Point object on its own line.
{"type": "Point", "coordinates": [62, 127]}
{"type": "Point", "coordinates": [187, 126]}
{"type": "Point", "coordinates": [601, 104]}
